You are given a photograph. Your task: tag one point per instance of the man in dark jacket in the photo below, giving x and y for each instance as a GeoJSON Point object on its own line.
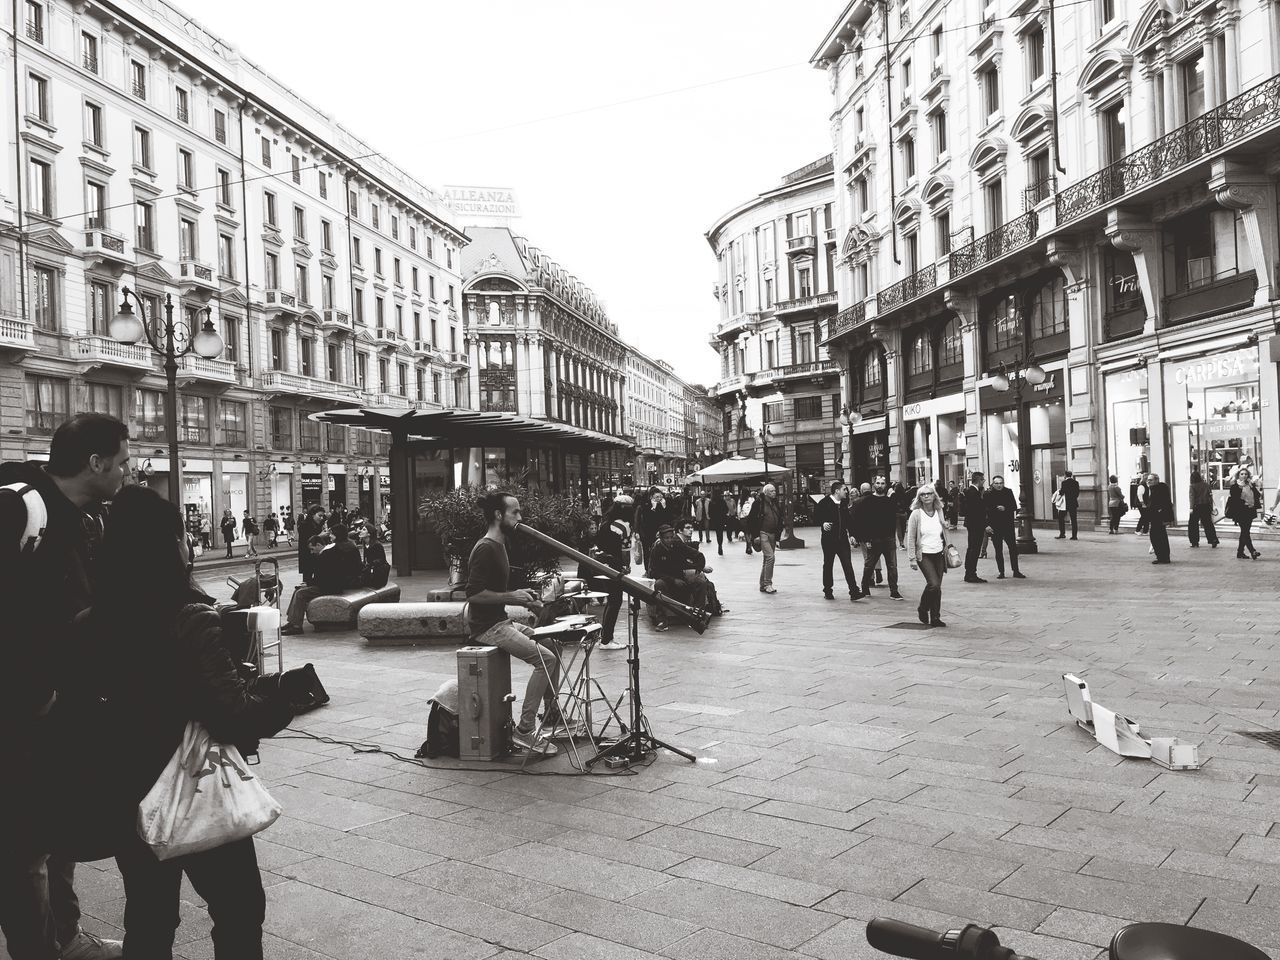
{"type": "Point", "coordinates": [669, 562]}
{"type": "Point", "coordinates": [338, 567]}
{"type": "Point", "coordinates": [1070, 490]}
{"type": "Point", "coordinates": [875, 524]}
{"type": "Point", "coordinates": [1159, 512]}
{"type": "Point", "coordinates": [1001, 510]}
{"type": "Point", "coordinates": [718, 511]}
{"type": "Point", "coordinates": [764, 522]}
{"type": "Point", "coordinates": [613, 547]}
{"type": "Point", "coordinates": [311, 524]}
{"type": "Point", "coordinates": [975, 525]}
{"type": "Point", "coordinates": [832, 516]}
{"type": "Point", "coordinates": [43, 591]}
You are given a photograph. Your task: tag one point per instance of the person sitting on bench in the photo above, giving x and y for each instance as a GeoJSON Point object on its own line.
{"type": "Point", "coordinates": [337, 568]}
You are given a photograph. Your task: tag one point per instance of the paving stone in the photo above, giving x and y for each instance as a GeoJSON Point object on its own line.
{"type": "Point", "coordinates": [696, 843]}
{"type": "Point", "coordinates": [633, 852]}
{"type": "Point", "coordinates": [847, 940]}
{"type": "Point", "coordinates": [762, 883]}
{"type": "Point", "coordinates": [978, 872]}
{"type": "Point", "coordinates": [717, 945]}
{"type": "Point", "coordinates": [1077, 838]}
{"type": "Point", "coordinates": [1081, 926]}
{"type": "Point", "coordinates": [443, 837]}
{"type": "Point", "coordinates": [748, 825]}
{"type": "Point", "coordinates": [621, 923]}
{"type": "Point", "coordinates": [1084, 893]}
{"type": "Point", "coordinates": [580, 946]}
{"type": "Point", "coordinates": [574, 871]}
{"type": "Point", "coordinates": [1255, 924]}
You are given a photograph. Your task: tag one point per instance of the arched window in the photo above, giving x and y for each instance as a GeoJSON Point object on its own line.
{"type": "Point", "coordinates": [1004, 325]}
{"type": "Point", "coordinates": [871, 369]}
{"type": "Point", "coordinates": [951, 349]}
{"type": "Point", "coordinates": [495, 315]}
{"type": "Point", "coordinates": [1049, 309]}
{"type": "Point", "coordinates": [920, 357]}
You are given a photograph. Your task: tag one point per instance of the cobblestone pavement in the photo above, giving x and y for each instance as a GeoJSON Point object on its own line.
{"type": "Point", "coordinates": [854, 766]}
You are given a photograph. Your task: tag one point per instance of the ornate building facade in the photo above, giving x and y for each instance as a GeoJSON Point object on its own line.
{"type": "Point", "coordinates": [1091, 190]}
{"type": "Point", "coordinates": [146, 152]}
{"type": "Point", "coordinates": [779, 390]}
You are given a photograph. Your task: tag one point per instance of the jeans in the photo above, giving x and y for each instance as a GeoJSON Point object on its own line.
{"type": "Point", "coordinates": [768, 541]}
{"type": "Point", "coordinates": [934, 567]}
{"type": "Point", "coordinates": [38, 906]}
{"type": "Point", "coordinates": [1144, 520]}
{"type": "Point", "coordinates": [1202, 514]}
{"type": "Point", "coordinates": [610, 619]}
{"type": "Point", "coordinates": [832, 547]}
{"type": "Point", "coordinates": [1160, 536]}
{"type": "Point", "coordinates": [229, 542]}
{"type": "Point", "coordinates": [298, 604]}
{"type": "Point", "coordinates": [517, 640]}
{"type": "Point", "coordinates": [878, 547]}
{"type": "Point", "coordinates": [1246, 536]}
{"type": "Point", "coordinates": [977, 535]}
{"type": "Point", "coordinates": [1062, 522]}
{"type": "Point", "coordinates": [226, 878]}
{"type": "Point", "coordinates": [1000, 536]}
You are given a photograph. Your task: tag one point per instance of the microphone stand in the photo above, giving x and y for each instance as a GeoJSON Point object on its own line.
{"type": "Point", "coordinates": [638, 741]}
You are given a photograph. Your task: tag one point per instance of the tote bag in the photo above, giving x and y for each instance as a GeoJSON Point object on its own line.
{"type": "Point", "coordinates": [205, 798]}
{"type": "Point", "coordinates": [953, 557]}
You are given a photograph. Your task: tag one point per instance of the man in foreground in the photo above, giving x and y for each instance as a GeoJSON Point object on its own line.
{"type": "Point", "coordinates": [1002, 509]}
{"type": "Point", "coordinates": [975, 525]}
{"type": "Point", "coordinates": [764, 523]}
{"type": "Point", "coordinates": [832, 516]}
{"type": "Point", "coordinates": [875, 524]}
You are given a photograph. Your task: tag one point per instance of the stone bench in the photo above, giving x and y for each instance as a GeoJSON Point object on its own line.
{"type": "Point", "coordinates": [398, 624]}
{"type": "Point", "coordinates": [339, 611]}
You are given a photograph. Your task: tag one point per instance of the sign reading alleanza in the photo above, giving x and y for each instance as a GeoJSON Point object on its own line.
{"type": "Point", "coordinates": [483, 201]}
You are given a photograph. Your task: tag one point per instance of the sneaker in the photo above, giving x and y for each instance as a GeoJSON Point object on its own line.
{"type": "Point", "coordinates": [895, 595]}
{"type": "Point", "coordinates": [527, 741]}
{"type": "Point", "coordinates": [722, 611]}
{"type": "Point", "coordinates": [290, 630]}
{"type": "Point", "coordinates": [1019, 576]}
{"type": "Point", "coordinates": [609, 643]}
{"type": "Point", "coordinates": [855, 597]}
{"type": "Point", "coordinates": [974, 580]}
{"type": "Point", "coordinates": [661, 627]}
{"type": "Point", "coordinates": [86, 946]}
{"type": "Point", "coordinates": [828, 595]}
{"type": "Point", "coordinates": [768, 589]}
{"type": "Point", "coordinates": [936, 623]}
{"type": "Point", "coordinates": [999, 576]}
{"type": "Point", "coordinates": [564, 731]}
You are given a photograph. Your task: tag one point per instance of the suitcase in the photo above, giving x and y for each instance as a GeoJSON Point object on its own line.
{"type": "Point", "coordinates": [484, 703]}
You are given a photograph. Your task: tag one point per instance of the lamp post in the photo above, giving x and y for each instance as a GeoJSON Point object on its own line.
{"type": "Point", "coordinates": [1013, 376]}
{"type": "Point", "coordinates": [849, 418]}
{"type": "Point", "coordinates": [176, 340]}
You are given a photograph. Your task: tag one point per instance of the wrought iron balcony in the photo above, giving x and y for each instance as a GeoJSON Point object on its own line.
{"type": "Point", "coordinates": [801, 246]}
{"type": "Point", "coordinates": [1229, 123]}
{"type": "Point", "coordinates": [139, 90]}
{"type": "Point", "coordinates": [802, 306]}
{"type": "Point", "coordinates": [846, 320]}
{"type": "Point", "coordinates": [90, 62]}
{"type": "Point", "coordinates": [35, 32]}
{"type": "Point", "coordinates": [989, 247]}
{"type": "Point", "coordinates": [17, 334]}
{"type": "Point", "coordinates": [1039, 191]}
{"type": "Point", "coordinates": [907, 289]}
{"type": "Point", "coordinates": [184, 115]}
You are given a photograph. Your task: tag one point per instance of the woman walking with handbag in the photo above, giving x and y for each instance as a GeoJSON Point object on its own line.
{"type": "Point", "coordinates": [1115, 504]}
{"type": "Point", "coordinates": [928, 551]}
{"type": "Point", "coordinates": [1243, 503]}
{"type": "Point", "coordinates": [154, 658]}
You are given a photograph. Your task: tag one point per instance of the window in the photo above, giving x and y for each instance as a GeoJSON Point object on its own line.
{"type": "Point", "coordinates": [395, 227]}
{"type": "Point", "coordinates": [96, 203]}
{"type": "Point", "coordinates": [920, 356]}
{"type": "Point", "coordinates": [413, 238]}
{"type": "Point", "coordinates": [904, 74]}
{"type": "Point", "coordinates": [277, 349]}
{"type": "Point", "coordinates": [332, 363]}
{"type": "Point", "coordinates": [266, 152]}
{"type": "Point", "coordinates": [187, 239]}
{"type": "Point", "coordinates": [322, 177]}
{"type": "Point", "coordinates": [379, 312]}
{"type": "Point", "coordinates": [269, 207]}
{"type": "Point", "coordinates": [299, 223]}
{"type": "Point", "coordinates": [1004, 325]}
{"type": "Point", "coordinates": [40, 187]}
{"type": "Point", "coordinates": [356, 256]}
{"type": "Point", "coordinates": [907, 146]}
{"type": "Point", "coordinates": [431, 288]}
{"type": "Point", "coordinates": [435, 332]}
{"type": "Point", "coordinates": [993, 201]}
{"type": "Point", "coordinates": [871, 369]}
{"type": "Point", "coordinates": [942, 228]}
{"type": "Point", "coordinates": [1034, 44]}
{"type": "Point", "coordinates": [93, 130]}
{"type": "Point", "coordinates": [362, 371]}
{"type": "Point", "coordinates": [224, 188]}
{"type": "Point", "coordinates": [48, 402]}
{"type": "Point", "coordinates": [436, 392]}
{"type": "Point", "coordinates": [804, 348]}
{"type": "Point", "coordinates": [38, 97]}
{"type": "Point", "coordinates": [860, 122]}
{"type": "Point", "coordinates": [1201, 247]}
{"type": "Point", "coordinates": [353, 204]}
{"type": "Point", "coordinates": [399, 319]}
{"type": "Point", "coordinates": [911, 253]}
{"type": "Point", "coordinates": [451, 303]}
{"type": "Point", "coordinates": [326, 291]}
{"type": "Point", "coordinates": [395, 271]}
{"type": "Point", "coordinates": [44, 298]}
{"type": "Point", "coordinates": [193, 419]}
{"type": "Point", "coordinates": [808, 408]}
{"type": "Point", "coordinates": [939, 123]}
{"type": "Point", "coordinates": [989, 81]}
{"type": "Point", "coordinates": [1049, 310]}
{"type": "Point", "coordinates": [142, 147]}
{"type": "Point", "coordinates": [106, 398]}
{"type": "Point", "coordinates": [951, 344]}
{"type": "Point", "coordinates": [89, 52]}
{"type": "Point", "coordinates": [145, 239]}
{"type": "Point", "coordinates": [306, 355]}
{"type": "Point", "coordinates": [297, 168]}
{"type": "Point", "coordinates": [768, 293]}
{"type": "Point", "coordinates": [150, 410]}
{"type": "Point", "coordinates": [431, 253]}
{"type": "Point", "coordinates": [861, 281]}
{"type": "Point", "coordinates": [1193, 97]}
{"type": "Point", "coordinates": [1106, 13]}
{"type": "Point", "coordinates": [220, 126]}
{"type": "Point", "coordinates": [358, 305]}
{"type": "Point", "coordinates": [182, 105]}
{"type": "Point", "coordinates": [417, 325]}
{"type": "Point", "coordinates": [231, 339]}
{"type": "Point", "coordinates": [804, 284]}
{"type": "Point", "coordinates": [302, 283]}
{"type": "Point", "coordinates": [373, 215]}
{"type": "Point", "coordinates": [377, 261]}
{"type": "Point", "coordinates": [326, 235]}
{"type": "Point", "coordinates": [151, 306]}
{"type": "Point", "coordinates": [186, 169]}
{"type": "Point", "coordinates": [138, 78]}
{"type": "Point", "coordinates": [862, 192]}
{"type": "Point", "coordinates": [413, 277]}
{"type": "Point", "coordinates": [282, 427]}
{"type": "Point", "coordinates": [448, 261]}
{"type": "Point", "coordinates": [233, 423]}
{"type": "Point", "coordinates": [384, 375]}
{"type": "Point", "coordinates": [403, 379]}
{"type": "Point", "coordinates": [272, 272]}
{"type": "Point", "coordinates": [1114, 141]}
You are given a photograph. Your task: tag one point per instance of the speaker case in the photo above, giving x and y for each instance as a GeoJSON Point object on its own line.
{"type": "Point", "coordinates": [484, 707]}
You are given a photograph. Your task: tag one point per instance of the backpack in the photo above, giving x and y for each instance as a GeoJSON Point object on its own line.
{"type": "Point", "coordinates": [37, 515]}
{"type": "Point", "coordinates": [443, 739]}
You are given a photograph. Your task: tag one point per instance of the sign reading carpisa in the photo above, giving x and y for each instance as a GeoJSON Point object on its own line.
{"type": "Point", "coordinates": [483, 203]}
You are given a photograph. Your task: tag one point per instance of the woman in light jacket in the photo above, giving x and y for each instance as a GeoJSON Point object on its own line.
{"type": "Point", "coordinates": [927, 551]}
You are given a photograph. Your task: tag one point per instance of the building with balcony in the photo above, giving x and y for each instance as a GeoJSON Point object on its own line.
{"type": "Point", "coordinates": [1124, 241]}
{"type": "Point", "coordinates": [659, 416]}
{"type": "Point", "coordinates": [777, 291]}
{"type": "Point", "coordinates": [150, 153]}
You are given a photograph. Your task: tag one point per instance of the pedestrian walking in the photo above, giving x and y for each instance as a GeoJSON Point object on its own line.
{"type": "Point", "coordinates": [702, 517]}
{"type": "Point", "coordinates": [249, 526]}
{"type": "Point", "coordinates": [719, 510]}
{"type": "Point", "coordinates": [206, 532]}
{"type": "Point", "coordinates": [287, 522]}
{"type": "Point", "coordinates": [1069, 490]}
{"type": "Point", "coordinates": [1159, 513]}
{"type": "Point", "coordinates": [855, 497]}
{"type": "Point", "coordinates": [1202, 510]}
{"type": "Point", "coordinates": [1002, 511]}
{"type": "Point", "coordinates": [1116, 505]}
{"type": "Point", "coordinates": [271, 528]}
{"type": "Point", "coordinates": [228, 528]}
{"type": "Point", "coordinates": [42, 590]}
{"type": "Point", "coordinates": [764, 526]}
{"type": "Point", "coordinates": [927, 552]}
{"type": "Point", "coordinates": [744, 510]}
{"type": "Point", "coordinates": [1244, 500]}
{"type": "Point", "coordinates": [951, 503]}
{"type": "Point", "coordinates": [310, 525]}
{"type": "Point", "coordinates": [1139, 496]}
{"type": "Point", "coordinates": [902, 500]}
{"type": "Point", "coordinates": [832, 515]}
{"type": "Point", "coordinates": [975, 525]}
{"type": "Point", "coordinates": [875, 523]}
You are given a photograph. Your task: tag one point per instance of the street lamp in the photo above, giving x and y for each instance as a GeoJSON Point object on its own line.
{"type": "Point", "coordinates": [1023, 370]}
{"type": "Point", "coordinates": [176, 340]}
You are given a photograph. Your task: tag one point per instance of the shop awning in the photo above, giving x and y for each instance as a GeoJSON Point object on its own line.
{"type": "Point", "coordinates": [736, 469]}
{"type": "Point", "coordinates": [471, 428]}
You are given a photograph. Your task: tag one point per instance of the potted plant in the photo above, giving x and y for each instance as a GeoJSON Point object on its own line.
{"type": "Point", "coordinates": [458, 523]}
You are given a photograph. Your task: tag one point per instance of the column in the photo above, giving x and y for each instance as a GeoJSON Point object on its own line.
{"type": "Point", "coordinates": [966, 308]}
{"type": "Point", "coordinates": [473, 362]}
{"type": "Point", "coordinates": [524, 398]}
{"type": "Point", "coordinates": [1080, 382]}
{"type": "Point", "coordinates": [1209, 52]}
{"type": "Point", "coordinates": [1152, 129]}
{"type": "Point", "coordinates": [1232, 33]}
{"type": "Point", "coordinates": [292, 362]}
{"type": "Point", "coordinates": [1172, 114]}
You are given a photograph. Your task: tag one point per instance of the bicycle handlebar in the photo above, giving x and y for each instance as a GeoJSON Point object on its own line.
{"type": "Point", "coordinates": [971, 942]}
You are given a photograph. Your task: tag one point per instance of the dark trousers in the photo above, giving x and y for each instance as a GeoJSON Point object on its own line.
{"type": "Point", "coordinates": [720, 538]}
{"type": "Point", "coordinates": [934, 567]}
{"type": "Point", "coordinates": [1202, 514]}
{"type": "Point", "coordinates": [298, 604]}
{"type": "Point", "coordinates": [901, 519]}
{"type": "Point", "coordinates": [833, 547]}
{"type": "Point", "coordinates": [610, 619]}
{"type": "Point", "coordinates": [1000, 537]}
{"type": "Point", "coordinates": [229, 542]}
{"type": "Point", "coordinates": [1115, 513]}
{"type": "Point", "coordinates": [226, 878]}
{"type": "Point", "coordinates": [878, 547]}
{"type": "Point", "coordinates": [1246, 536]}
{"type": "Point", "coordinates": [1062, 522]}
{"type": "Point", "coordinates": [38, 906]}
{"type": "Point", "coordinates": [1144, 520]}
{"type": "Point", "coordinates": [1159, 537]}
{"type": "Point", "coordinates": [977, 534]}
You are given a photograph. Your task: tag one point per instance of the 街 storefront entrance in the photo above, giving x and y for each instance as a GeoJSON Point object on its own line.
{"type": "Point", "coordinates": [1047, 416]}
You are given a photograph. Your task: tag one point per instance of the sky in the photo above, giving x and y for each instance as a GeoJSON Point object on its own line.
{"type": "Point", "coordinates": [625, 129]}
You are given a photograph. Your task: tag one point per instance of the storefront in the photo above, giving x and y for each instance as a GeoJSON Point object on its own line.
{"type": "Point", "coordinates": [337, 484]}
{"type": "Point", "coordinates": [367, 486]}
{"type": "Point", "coordinates": [312, 488]}
{"type": "Point", "coordinates": [869, 446]}
{"type": "Point", "coordinates": [282, 489]}
{"type": "Point", "coordinates": [1048, 421]}
{"type": "Point", "coordinates": [934, 440]}
{"type": "Point", "coordinates": [1126, 395]}
{"type": "Point", "coordinates": [235, 493]}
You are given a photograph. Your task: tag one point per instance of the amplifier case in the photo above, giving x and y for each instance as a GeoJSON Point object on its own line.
{"type": "Point", "coordinates": [484, 710]}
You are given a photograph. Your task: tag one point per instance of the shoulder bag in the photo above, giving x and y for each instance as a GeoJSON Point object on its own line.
{"type": "Point", "coordinates": [953, 557]}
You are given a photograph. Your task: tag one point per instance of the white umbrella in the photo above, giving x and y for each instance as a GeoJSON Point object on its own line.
{"type": "Point", "coordinates": [735, 469]}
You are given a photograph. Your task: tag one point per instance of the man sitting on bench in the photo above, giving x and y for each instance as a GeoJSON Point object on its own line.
{"type": "Point", "coordinates": [337, 568]}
